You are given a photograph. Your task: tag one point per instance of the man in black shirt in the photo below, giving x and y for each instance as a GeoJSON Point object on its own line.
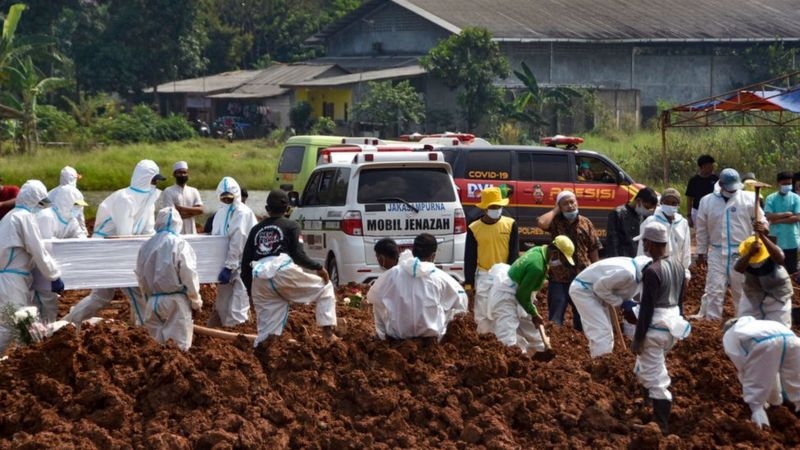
{"type": "Point", "coordinates": [274, 251]}
{"type": "Point", "coordinates": [699, 186]}
{"type": "Point", "coordinates": [624, 222]}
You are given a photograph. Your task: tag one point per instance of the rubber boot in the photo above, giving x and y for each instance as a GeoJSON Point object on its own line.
{"type": "Point", "coordinates": [646, 396]}
{"type": "Point", "coordinates": [661, 412]}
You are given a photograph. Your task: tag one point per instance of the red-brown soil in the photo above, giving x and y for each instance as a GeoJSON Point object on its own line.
{"type": "Point", "coordinates": [111, 386]}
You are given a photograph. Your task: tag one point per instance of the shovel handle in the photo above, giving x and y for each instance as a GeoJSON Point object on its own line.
{"type": "Point", "coordinates": [757, 206]}
{"type": "Point", "coordinates": [545, 338]}
{"type": "Point", "coordinates": [227, 335]}
{"type": "Point", "coordinates": [612, 315]}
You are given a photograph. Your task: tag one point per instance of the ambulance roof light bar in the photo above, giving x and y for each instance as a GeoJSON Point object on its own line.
{"type": "Point", "coordinates": [397, 157]}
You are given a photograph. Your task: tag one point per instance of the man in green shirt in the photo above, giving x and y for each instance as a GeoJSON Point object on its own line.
{"type": "Point", "coordinates": [512, 314]}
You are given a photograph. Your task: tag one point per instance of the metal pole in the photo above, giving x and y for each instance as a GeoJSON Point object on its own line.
{"type": "Point", "coordinates": [664, 120]}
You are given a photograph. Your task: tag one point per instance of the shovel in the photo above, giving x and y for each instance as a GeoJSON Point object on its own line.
{"type": "Point", "coordinates": [612, 314]}
{"type": "Point", "coordinates": [548, 354]}
{"type": "Point", "coordinates": [227, 335]}
{"type": "Point", "coordinates": [758, 185]}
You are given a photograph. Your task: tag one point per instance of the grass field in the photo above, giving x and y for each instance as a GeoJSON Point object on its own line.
{"type": "Point", "coordinates": [251, 163]}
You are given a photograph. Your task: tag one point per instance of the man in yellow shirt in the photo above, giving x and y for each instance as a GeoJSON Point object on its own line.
{"type": "Point", "coordinates": [491, 239]}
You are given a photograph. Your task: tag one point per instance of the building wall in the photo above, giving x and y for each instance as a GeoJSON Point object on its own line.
{"type": "Point", "coordinates": [341, 98]}
{"type": "Point", "coordinates": [390, 30]}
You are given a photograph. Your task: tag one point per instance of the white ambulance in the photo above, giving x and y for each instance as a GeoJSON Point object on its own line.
{"type": "Point", "coordinates": [346, 207]}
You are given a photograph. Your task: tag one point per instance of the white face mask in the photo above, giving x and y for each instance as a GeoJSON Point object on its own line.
{"type": "Point", "coordinates": [669, 210]}
{"type": "Point", "coordinates": [727, 194]}
{"type": "Point", "coordinates": [494, 214]}
{"type": "Point", "coordinates": [642, 211]}
{"type": "Point", "coordinates": [76, 211]}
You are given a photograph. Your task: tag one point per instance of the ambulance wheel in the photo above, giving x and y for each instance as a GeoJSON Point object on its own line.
{"type": "Point", "coordinates": [333, 270]}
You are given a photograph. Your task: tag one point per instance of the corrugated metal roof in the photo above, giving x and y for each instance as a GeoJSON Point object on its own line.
{"type": "Point", "coordinates": [267, 82]}
{"type": "Point", "coordinates": [353, 78]}
{"type": "Point", "coordinates": [607, 20]}
{"type": "Point", "coordinates": [367, 63]}
{"type": "Point", "coordinates": [205, 85]}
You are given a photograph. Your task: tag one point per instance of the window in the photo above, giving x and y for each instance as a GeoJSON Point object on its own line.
{"type": "Point", "coordinates": [327, 188]}
{"type": "Point", "coordinates": [415, 184]}
{"type": "Point", "coordinates": [489, 164]}
{"type": "Point", "coordinates": [291, 159]}
{"type": "Point", "coordinates": [550, 167]}
{"type": "Point", "coordinates": [524, 166]}
{"type": "Point", "coordinates": [327, 110]}
{"type": "Point", "coordinates": [594, 170]}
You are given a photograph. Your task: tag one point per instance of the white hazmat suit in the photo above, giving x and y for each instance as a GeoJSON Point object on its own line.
{"type": "Point", "coordinates": [68, 179]}
{"type": "Point", "coordinates": [277, 283]}
{"type": "Point", "coordinates": [126, 212]}
{"type": "Point", "coordinates": [415, 299]}
{"type": "Point", "coordinates": [235, 221]}
{"type": "Point", "coordinates": [720, 227]}
{"type": "Point", "coordinates": [606, 282]}
{"type": "Point", "coordinates": [679, 241]}
{"type": "Point", "coordinates": [512, 325]}
{"type": "Point", "coordinates": [166, 268]}
{"type": "Point", "coordinates": [21, 250]}
{"type": "Point", "coordinates": [60, 221]}
{"type": "Point", "coordinates": [767, 355]}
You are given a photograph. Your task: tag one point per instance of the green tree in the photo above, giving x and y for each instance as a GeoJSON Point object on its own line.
{"type": "Point", "coordinates": [28, 83]}
{"type": "Point", "coordinates": [470, 61]}
{"type": "Point", "coordinates": [391, 105]}
{"type": "Point", "coordinates": [528, 106]}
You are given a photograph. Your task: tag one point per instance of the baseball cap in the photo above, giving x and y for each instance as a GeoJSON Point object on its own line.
{"type": "Point", "coordinates": [654, 232]}
{"type": "Point", "coordinates": [729, 180]}
{"type": "Point", "coordinates": [277, 200]}
{"type": "Point", "coordinates": [565, 246]}
{"type": "Point", "coordinates": [671, 193]}
{"type": "Point", "coordinates": [158, 177]}
{"type": "Point", "coordinates": [762, 254]}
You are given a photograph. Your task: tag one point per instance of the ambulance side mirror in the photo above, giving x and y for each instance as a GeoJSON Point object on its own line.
{"type": "Point", "coordinates": [294, 198]}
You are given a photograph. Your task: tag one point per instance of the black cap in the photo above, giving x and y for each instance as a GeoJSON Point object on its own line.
{"type": "Point", "coordinates": [277, 201]}
{"type": "Point", "coordinates": [157, 177]}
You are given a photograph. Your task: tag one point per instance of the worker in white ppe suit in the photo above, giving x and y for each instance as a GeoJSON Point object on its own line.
{"type": "Point", "coordinates": [21, 250]}
{"type": "Point", "coordinates": [166, 268]}
{"type": "Point", "coordinates": [511, 311]}
{"type": "Point", "coordinates": [724, 220]}
{"type": "Point", "coordinates": [233, 219]}
{"type": "Point", "coordinates": [126, 212]}
{"type": "Point", "coordinates": [276, 279]}
{"type": "Point", "coordinates": [679, 244]}
{"type": "Point", "coordinates": [767, 355]}
{"type": "Point", "coordinates": [609, 281]}
{"type": "Point", "coordinates": [60, 221]}
{"type": "Point", "coordinates": [659, 321]}
{"type": "Point", "coordinates": [415, 299]}
{"type": "Point", "coordinates": [768, 290]}
{"type": "Point", "coordinates": [68, 179]}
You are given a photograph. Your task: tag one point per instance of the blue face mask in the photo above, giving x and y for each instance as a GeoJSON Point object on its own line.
{"type": "Point", "coordinates": [76, 211]}
{"type": "Point", "coordinates": [570, 215]}
{"type": "Point", "coordinates": [669, 210]}
{"type": "Point", "coordinates": [786, 188]}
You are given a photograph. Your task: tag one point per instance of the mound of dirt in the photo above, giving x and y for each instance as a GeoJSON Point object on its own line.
{"type": "Point", "coordinates": [111, 386]}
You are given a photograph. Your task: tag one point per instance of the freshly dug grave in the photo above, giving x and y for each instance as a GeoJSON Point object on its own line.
{"type": "Point", "coordinates": [111, 386]}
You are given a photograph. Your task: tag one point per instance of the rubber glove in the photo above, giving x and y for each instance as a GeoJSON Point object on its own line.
{"type": "Point", "coordinates": [57, 286]}
{"type": "Point", "coordinates": [196, 303]}
{"type": "Point", "coordinates": [224, 276]}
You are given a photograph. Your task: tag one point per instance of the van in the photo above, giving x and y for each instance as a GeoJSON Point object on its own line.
{"type": "Point", "coordinates": [533, 176]}
{"type": "Point", "coordinates": [298, 158]}
{"type": "Point", "coordinates": [346, 207]}
{"type": "Point", "coordinates": [300, 154]}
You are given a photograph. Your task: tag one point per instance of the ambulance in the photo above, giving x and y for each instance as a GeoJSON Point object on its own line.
{"type": "Point", "coordinates": [347, 206]}
{"type": "Point", "coordinates": [532, 177]}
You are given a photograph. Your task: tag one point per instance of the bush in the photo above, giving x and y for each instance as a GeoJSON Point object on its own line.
{"type": "Point", "coordinates": [54, 125]}
{"type": "Point", "coordinates": [142, 124]}
{"type": "Point", "coordinates": [300, 117]}
{"type": "Point", "coordinates": [323, 126]}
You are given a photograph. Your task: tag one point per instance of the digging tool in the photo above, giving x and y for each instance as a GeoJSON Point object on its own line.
{"type": "Point", "coordinates": [758, 185]}
{"type": "Point", "coordinates": [222, 334]}
{"type": "Point", "coordinates": [548, 354]}
{"type": "Point", "coordinates": [612, 314]}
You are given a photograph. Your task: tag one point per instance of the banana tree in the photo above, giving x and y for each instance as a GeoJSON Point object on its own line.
{"type": "Point", "coordinates": [9, 50]}
{"type": "Point", "coordinates": [527, 107]}
{"type": "Point", "coordinates": [27, 84]}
